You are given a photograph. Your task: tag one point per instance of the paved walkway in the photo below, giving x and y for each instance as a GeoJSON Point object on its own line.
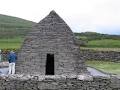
{"type": "Point", "coordinates": [93, 71]}
{"type": "Point", "coordinates": [4, 64]}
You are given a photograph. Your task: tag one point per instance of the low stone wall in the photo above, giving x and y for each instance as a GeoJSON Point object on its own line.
{"type": "Point", "coordinates": [100, 55]}
{"type": "Point", "coordinates": [36, 83]}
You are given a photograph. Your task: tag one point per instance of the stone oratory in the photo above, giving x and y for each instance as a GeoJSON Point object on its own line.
{"type": "Point", "coordinates": [50, 49]}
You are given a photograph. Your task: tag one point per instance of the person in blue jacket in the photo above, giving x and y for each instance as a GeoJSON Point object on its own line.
{"type": "Point", "coordinates": [12, 57]}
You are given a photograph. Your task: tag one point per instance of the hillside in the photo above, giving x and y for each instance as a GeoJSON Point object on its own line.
{"type": "Point", "coordinates": [88, 36]}
{"type": "Point", "coordinates": [13, 30]}
{"type": "Point", "coordinates": [11, 27]}
{"type": "Point", "coordinates": [97, 40]}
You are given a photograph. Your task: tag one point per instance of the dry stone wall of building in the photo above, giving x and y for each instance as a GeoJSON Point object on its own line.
{"type": "Point", "coordinates": [50, 36]}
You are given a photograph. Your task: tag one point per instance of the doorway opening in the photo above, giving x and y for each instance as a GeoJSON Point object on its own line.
{"type": "Point", "coordinates": [50, 64]}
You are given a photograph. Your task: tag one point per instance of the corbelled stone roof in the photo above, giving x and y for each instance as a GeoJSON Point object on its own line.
{"type": "Point", "coordinates": [53, 17]}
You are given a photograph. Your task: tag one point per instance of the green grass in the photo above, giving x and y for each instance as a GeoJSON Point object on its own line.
{"type": "Point", "coordinates": [109, 67]}
{"type": "Point", "coordinates": [11, 43]}
{"type": "Point", "coordinates": [15, 28]}
{"type": "Point", "coordinates": [12, 31]}
{"type": "Point", "coordinates": [11, 27]}
{"type": "Point", "coordinates": [105, 43]}
{"type": "Point", "coordinates": [101, 49]}
{"type": "Point", "coordinates": [88, 36]}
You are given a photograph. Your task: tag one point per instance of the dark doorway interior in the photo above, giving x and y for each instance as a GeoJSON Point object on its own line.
{"type": "Point", "coordinates": [50, 64]}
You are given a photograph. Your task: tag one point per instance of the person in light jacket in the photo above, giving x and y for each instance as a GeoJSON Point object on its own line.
{"type": "Point", "coordinates": [12, 57]}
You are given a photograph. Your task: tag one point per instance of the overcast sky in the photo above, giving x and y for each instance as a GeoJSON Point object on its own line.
{"type": "Point", "coordinates": [101, 16]}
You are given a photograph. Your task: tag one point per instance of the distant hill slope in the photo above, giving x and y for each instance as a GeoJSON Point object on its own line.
{"type": "Point", "coordinates": [88, 36]}
{"type": "Point", "coordinates": [11, 27]}
{"type": "Point", "coordinates": [97, 40]}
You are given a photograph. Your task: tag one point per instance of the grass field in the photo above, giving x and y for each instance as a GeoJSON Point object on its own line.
{"type": "Point", "coordinates": [109, 67]}
{"type": "Point", "coordinates": [11, 27]}
{"type": "Point", "coordinates": [104, 43]}
{"type": "Point", "coordinates": [14, 43]}
{"type": "Point", "coordinates": [12, 31]}
{"type": "Point", "coordinates": [101, 49]}
{"type": "Point", "coordinates": [17, 41]}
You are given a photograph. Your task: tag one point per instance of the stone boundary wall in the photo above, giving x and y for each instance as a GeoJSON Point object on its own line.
{"type": "Point", "coordinates": [35, 83]}
{"type": "Point", "coordinates": [100, 55]}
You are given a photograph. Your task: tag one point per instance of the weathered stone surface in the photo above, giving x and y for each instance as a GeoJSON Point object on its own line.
{"type": "Point", "coordinates": [100, 55]}
{"type": "Point", "coordinates": [27, 82]}
{"type": "Point", "coordinates": [50, 36]}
